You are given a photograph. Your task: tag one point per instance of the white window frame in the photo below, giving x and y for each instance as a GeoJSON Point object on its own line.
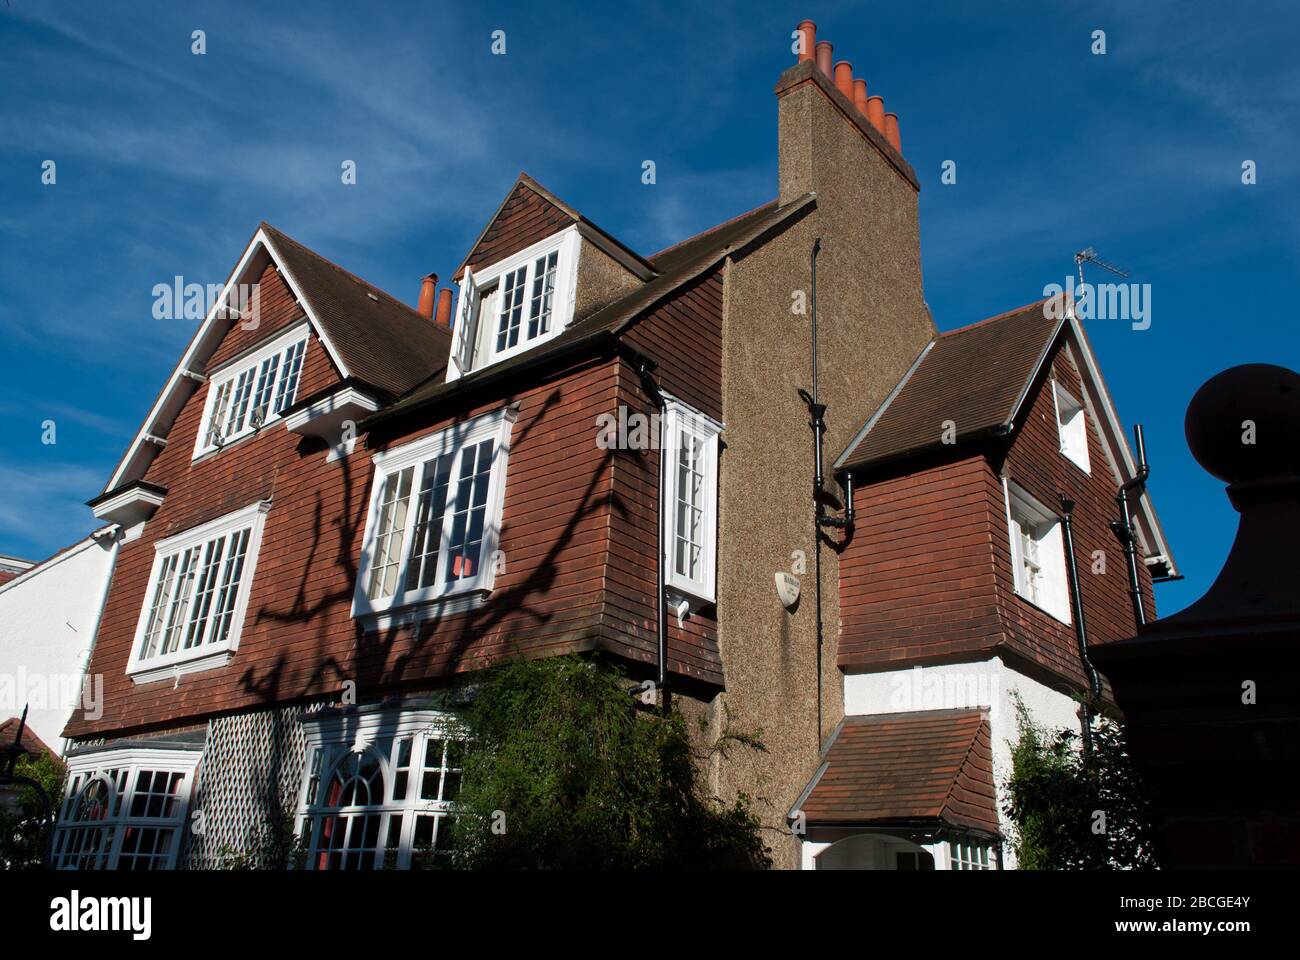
{"type": "Point", "coordinates": [969, 853]}
{"type": "Point", "coordinates": [408, 606]}
{"type": "Point", "coordinates": [567, 243]}
{"type": "Point", "coordinates": [120, 769]}
{"type": "Point", "coordinates": [205, 656]}
{"type": "Point", "coordinates": [680, 418]}
{"type": "Point", "coordinates": [332, 737]}
{"type": "Point", "coordinates": [1050, 591]}
{"type": "Point", "coordinates": [1071, 427]}
{"type": "Point", "coordinates": [230, 372]}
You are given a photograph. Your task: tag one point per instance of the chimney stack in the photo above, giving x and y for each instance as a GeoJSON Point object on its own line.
{"type": "Point", "coordinates": [854, 89]}
{"type": "Point", "coordinates": [427, 287]}
{"type": "Point", "coordinates": [443, 316]}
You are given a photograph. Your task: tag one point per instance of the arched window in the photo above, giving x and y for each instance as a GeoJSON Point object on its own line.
{"type": "Point", "coordinates": [124, 810]}
{"type": "Point", "coordinates": [387, 803]}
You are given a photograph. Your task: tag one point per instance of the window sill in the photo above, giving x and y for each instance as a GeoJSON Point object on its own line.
{"type": "Point", "coordinates": [1085, 467]}
{"type": "Point", "coordinates": [1039, 607]}
{"type": "Point", "coordinates": [153, 672]}
{"type": "Point", "coordinates": [417, 612]}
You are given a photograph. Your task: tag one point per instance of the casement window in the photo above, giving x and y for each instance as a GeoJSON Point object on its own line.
{"type": "Point", "coordinates": [516, 304]}
{"type": "Point", "coordinates": [379, 790]}
{"type": "Point", "coordinates": [1037, 553]}
{"type": "Point", "coordinates": [1072, 427]}
{"type": "Point", "coordinates": [198, 594]}
{"type": "Point", "coordinates": [251, 392]}
{"type": "Point", "coordinates": [434, 520]}
{"type": "Point", "coordinates": [124, 810]}
{"type": "Point", "coordinates": [967, 854]}
{"type": "Point", "coordinates": [689, 498]}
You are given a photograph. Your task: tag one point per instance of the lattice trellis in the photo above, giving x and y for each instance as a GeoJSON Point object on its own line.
{"type": "Point", "coordinates": [252, 762]}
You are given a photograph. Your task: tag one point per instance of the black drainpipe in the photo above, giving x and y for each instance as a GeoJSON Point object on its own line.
{"type": "Point", "coordinates": [1123, 527]}
{"type": "Point", "coordinates": [1080, 627]}
{"type": "Point", "coordinates": [644, 369]}
{"type": "Point", "coordinates": [817, 421]}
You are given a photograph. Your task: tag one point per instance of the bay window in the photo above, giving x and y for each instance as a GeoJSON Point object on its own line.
{"type": "Point", "coordinates": [516, 304]}
{"type": "Point", "coordinates": [434, 520]}
{"type": "Point", "coordinates": [247, 394]}
{"type": "Point", "coordinates": [379, 789]}
{"type": "Point", "coordinates": [124, 809]}
{"type": "Point", "coordinates": [194, 610]}
{"type": "Point", "coordinates": [689, 500]}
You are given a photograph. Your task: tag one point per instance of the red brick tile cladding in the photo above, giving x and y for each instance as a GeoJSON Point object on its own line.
{"type": "Point", "coordinates": [578, 534]}
{"type": "Point", "coordinates": [927, 576]}
{"type": "Point", "coordinates": [925, 766]}
{"type": "Point", "coordinates": [525, 218]}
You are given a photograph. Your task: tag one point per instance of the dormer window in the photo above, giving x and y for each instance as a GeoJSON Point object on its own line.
{"type": "Point", "coordinates": [251, 392]}
{"type": "Point", "coordinates": [516, 304]}
{"type": "Point", "coordinates": [1072, 425]}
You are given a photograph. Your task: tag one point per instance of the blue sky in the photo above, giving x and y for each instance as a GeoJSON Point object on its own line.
{"type": "Point", "coordinates": [166, 161]}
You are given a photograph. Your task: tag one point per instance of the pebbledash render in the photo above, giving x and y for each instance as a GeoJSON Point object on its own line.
{"type": "Point", "coordinates": [339, 505]}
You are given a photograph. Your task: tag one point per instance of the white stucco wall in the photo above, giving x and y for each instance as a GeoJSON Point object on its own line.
{"type": "Point", "coordinates": [48, 619]}
{"type": "Point", "coordinates": [989, 683]}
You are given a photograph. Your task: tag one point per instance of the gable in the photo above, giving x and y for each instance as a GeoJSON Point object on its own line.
{"type": "Point", "coordinates": [369, 336]}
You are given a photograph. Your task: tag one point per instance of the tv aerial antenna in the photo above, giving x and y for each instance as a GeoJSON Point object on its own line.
{"type": "Point", "coordinates": [1089, 255]}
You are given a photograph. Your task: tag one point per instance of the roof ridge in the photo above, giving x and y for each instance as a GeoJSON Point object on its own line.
{"type": "Point", "coordinates": [717, 226]}
{"type": "Point", "coordinates": [360, 281]}
{"type": "Point", "coordinates": [1005, 315]}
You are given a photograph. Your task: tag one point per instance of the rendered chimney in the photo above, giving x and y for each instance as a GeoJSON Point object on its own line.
{"type": "Point", "coordinates": [860, 96]}
{"type": "Point", "coordinates": [427, 287]}
{"type": "Point", "coordinates": [808, 34]}
{"type": "Point", "coordinates": [891, 132]}
{"type": "Point", "coordinates": [824, 51]}
{"type": "Point", "coordinates": [876, 112]}
{"type": "Point", "coordinates": [443, 317]}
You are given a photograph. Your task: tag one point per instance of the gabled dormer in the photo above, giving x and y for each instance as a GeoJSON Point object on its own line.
{"type": "Point", "coordinates": [537, 268]}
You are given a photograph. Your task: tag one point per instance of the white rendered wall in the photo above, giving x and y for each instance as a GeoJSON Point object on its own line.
{"type": "Point", "coordinates": [48, 619]}
{"type": "Point", "coordinates": [989, 684]}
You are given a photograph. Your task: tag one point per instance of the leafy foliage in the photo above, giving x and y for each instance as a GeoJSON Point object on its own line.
{"type": "Point", "coordinates": [1074, 810]}
{"type": "Point", "coordinates": [564, 771]}
{"type": "Point", "coordinates": [23, 831]}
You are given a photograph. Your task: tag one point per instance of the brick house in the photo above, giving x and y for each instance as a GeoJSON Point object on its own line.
{"type": "Point", "coordinates": [339, 504]}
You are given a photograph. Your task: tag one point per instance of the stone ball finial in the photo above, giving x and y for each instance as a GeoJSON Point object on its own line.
{"type": "Point", "coordinates": [1244, 423]}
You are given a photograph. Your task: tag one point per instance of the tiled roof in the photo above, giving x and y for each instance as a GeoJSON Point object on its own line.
{"type": "Point", "coordinates": [677, 266]}
{"type": "Point", "coordinates": [975, 376]}
{"type": "Point", "coordinates": [930, 766]}
{"type": "Point", "coordinates": [33, 744]}
{"type": "Point", "coordinates": [383, 342]}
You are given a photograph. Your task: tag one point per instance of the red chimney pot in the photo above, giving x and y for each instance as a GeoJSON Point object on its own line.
{"type": "Point", "coordinates": [891, 132]}
{"type": "Point", "coordinates": [808, 31]}
{"type": "Point", "coordinates": [824, 49]}
{"type": "Point", "coordinates": [427, 286]}
{"type": "Point", "coordinates": [443, 317]}
{"type": "Point", "coordinates": [860, 96]}
{"type": "Point", "coordinates": [876, 112]}
{"type": "Point", "coordinates": [844, 78]}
